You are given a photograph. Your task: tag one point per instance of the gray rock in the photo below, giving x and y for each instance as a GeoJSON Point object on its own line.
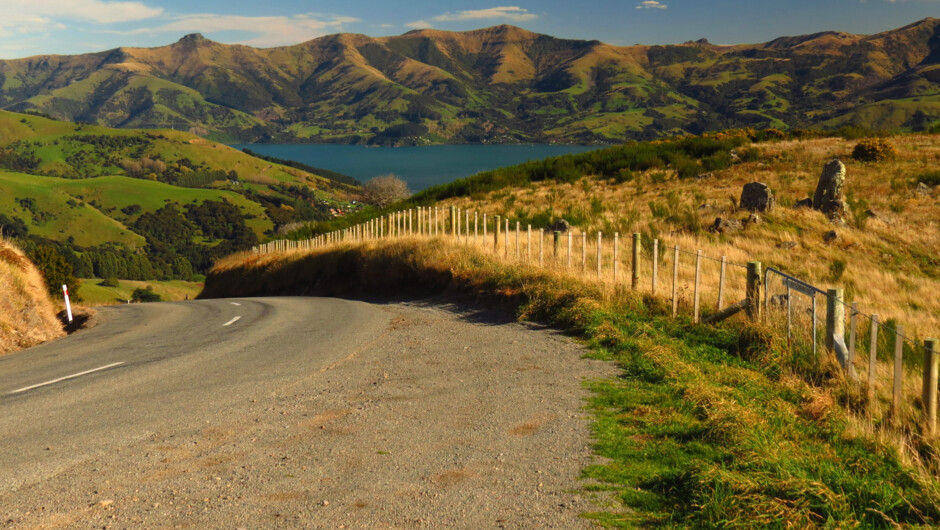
{"type": "Point", "coordinates": [830, 192]}
{"type": "Point", "coordinates": [830, 236]}
{"type": "Point", "coordinates": [923, 189]}
{"type": "Point", "coordinates": [757, 197]}
{"type": "Point", "coordinates": [721, 226]}
{"type": "Point", "coordinates": [752, 219]}
{"type": "Point", "coordinates": [787, 245]}
{"type": "Point", "coordinates": [804, 203]}
{"type": "Point", "coordinates": [559, 226]}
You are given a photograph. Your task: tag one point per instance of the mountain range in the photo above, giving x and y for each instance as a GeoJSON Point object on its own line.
{"type": "Point", "coordinates": [498, 84]}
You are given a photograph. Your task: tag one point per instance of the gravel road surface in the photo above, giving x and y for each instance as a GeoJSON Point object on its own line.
{"type": "Point", "coordinates": [299, 413]}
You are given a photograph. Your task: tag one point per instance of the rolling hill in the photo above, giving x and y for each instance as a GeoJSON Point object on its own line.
{"type": "Point", "coordinates": [143, 205]}
{"type": "Point", "coordinates": [499, 84]}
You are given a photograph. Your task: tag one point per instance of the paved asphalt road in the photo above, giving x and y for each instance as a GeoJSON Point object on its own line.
{"type": "Point", "coordinates": [295, 413]}
{"type": "Point", "coordinates": [179, 362]}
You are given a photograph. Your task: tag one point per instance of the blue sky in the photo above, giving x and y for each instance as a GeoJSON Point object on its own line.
{"type": "Point", "coordinates": [33, 27]}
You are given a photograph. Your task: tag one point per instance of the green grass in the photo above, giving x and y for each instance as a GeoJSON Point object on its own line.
{"type": "Point", "coordinates": [58, 220]}
{"type": "Point", "coordinates": [90, 226]}
{"type": "Point", "coordinates": [93, 294]}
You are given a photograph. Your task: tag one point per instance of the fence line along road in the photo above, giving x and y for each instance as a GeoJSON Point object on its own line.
{"type": "Point", "coordinates": [900, 372]}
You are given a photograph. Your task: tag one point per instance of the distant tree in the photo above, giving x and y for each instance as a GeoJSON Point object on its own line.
{"type": "Point", "coordinates": [14, 227]}
{"type": "Point", "coordinates": [384, 190]}
{"type": "Point", "coordinates": [919, 121]}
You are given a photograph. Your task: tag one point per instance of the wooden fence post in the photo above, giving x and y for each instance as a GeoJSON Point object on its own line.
{"type": "Point", "coordinates": [753, 290]}
{"type": "Point", "coordinates": [872, 360]}
{"type": "Point", "coordinates": [655, 265]}
{"type": "Point", "coordinates": [506, 240]}
{"type": "Point", "coordinates": [931, 356]}
{"type": "Point", "coordinates": [599, 259]}
{"type": "Point", "coordinates": [496, 236]}
{"type": "Point", "coordinates": [484, 231]}
{"type": "Point", "coordinates": [583, 253]}
{"type": "Point", "coordinates": [721, 283]}
{"type": "Point", "coordinates": [835, 324]}
{"type": "Point", "coordinates": [555, 235]}
{"type": "Point", "coordinates": [698, 278]}
{"type": "Point", "coordinates": [853, 332]}
{"type": "Point", "coordinates": [675, 284]}
{"type": "Point", "coordinates": [541, 247]}
{"type": "Point", "coordinates": [517, 239]}
{"type": "Point", "coordinates": [528, 243]}
{"type": "Point", "coordinates": [476, 227]}
{"type": "Point", "coordinates": [635, 278]}
{"type": "Point", "coordinates": [898, 374]}
{"type": "Point", "coordinates": [569, 249]}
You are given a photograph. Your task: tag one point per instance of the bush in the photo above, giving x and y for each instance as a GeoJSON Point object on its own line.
{"type": "Point", "coordinates": [109, 282]}
{"type": "Point", "coordinates": [874, 150]}
{"type": "Point", "coordinates": [383, 191]}
{"type": "Point", "coordinates": [145, 295]}
{"type": "Point", "coordinates": [55, 270]}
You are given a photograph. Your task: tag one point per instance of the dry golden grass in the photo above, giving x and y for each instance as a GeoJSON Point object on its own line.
{"type": "Point", "coordinates": [885, 270]}
{"type": "Point", "coordinates": [27, 315]}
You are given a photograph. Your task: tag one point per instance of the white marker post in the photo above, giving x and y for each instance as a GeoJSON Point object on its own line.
{"type": "Point", "coordinates": [68, 306]}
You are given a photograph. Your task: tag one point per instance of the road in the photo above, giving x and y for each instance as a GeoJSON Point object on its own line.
{"type": "Point", "coordinates": [295, 412]}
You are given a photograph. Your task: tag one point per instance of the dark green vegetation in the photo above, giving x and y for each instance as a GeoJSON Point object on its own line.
{"type": "Point", "coordinates": [706, 426]}
{"type": "Point", "coordinates": [140, 205]}
{"type": "Point", "coordinates": [689, 156]}
{"type": "Point", "coordinates": [500, 84]}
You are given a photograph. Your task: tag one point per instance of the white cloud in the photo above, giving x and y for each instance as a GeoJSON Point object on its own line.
{"type": "Point", "coordinates": [419, 24]}
{"type": "Point", "coordinates": [268, 31]}
{"type": "Point", "coordinates": [651, 4]}
{"type": "Point", "coordinates": [510, 13]}
{"type": "Point", "coordinates": [32, 16]}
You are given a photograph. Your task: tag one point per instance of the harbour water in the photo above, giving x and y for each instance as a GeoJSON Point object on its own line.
{"type": "Point", "coordinates": [420, 167]}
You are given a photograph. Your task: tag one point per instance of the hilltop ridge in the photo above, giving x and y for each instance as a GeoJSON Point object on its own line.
{"type": "Point", "coordinates": [497, 84]}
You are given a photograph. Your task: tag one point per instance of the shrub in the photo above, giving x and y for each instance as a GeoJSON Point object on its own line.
{"type": "Point", "coordinates": [749, 154]}
{"type": "Point", "coordinates": [384, 190]}
{"type": "Point", "coordinates": [109, 282]}
{"type": "Point", "coordinates": [145, 295]}
{"type": "Point", "coordinates": [874, 150]}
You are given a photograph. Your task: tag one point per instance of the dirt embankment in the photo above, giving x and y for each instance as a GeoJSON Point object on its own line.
{"type": "Point", "coordinates": [27, 315]}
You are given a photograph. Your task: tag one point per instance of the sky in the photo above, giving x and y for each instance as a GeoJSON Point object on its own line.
{"type": "Point", "coordinates": [36, 27]}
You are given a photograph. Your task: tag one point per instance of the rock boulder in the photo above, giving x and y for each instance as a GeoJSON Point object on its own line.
{"type": "Point", "coordinates": [757, 197]}
{"type": "Point", "coordinates": [830, 192]}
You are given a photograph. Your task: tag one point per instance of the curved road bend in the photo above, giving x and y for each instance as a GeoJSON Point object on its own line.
{"type": "Point", "coordinates": [294, 412]}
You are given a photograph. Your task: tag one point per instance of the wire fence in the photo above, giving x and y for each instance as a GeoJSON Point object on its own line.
{"type": "Point", "coordinates": [894, 373]}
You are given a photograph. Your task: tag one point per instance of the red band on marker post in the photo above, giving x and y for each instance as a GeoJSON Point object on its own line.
{"type": "Point", "coordinates": [68, 306]}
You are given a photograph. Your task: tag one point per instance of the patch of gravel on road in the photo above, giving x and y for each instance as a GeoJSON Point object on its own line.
{"type": "Point", "coordinates": [452, 417]}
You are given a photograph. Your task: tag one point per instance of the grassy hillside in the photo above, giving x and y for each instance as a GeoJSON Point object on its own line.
{"type": "Point", "coordinates": [93, 293]}
{"type": "Point", "coordinates": [498, 84]}
{"type": "Point", "coordinates": [27, 315]}
{"type": "Point", "coordinates": [141, 205]}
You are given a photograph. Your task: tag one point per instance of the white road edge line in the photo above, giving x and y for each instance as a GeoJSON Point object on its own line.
{"type": "Point", "coordinates": [230, 322]}
{"type": "Point", "coordinates": [73, 376]}
{"type": "Point", "coordinates": [234, 303]}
